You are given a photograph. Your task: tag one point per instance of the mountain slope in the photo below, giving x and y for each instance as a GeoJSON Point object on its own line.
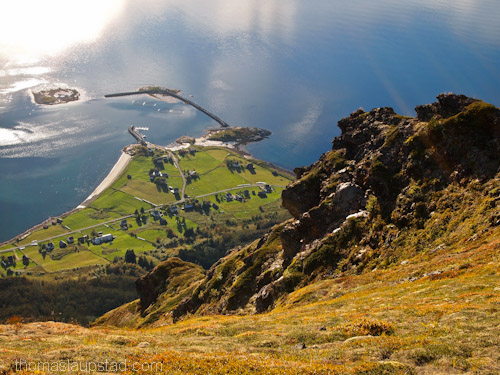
{"type": "Point", "coordinates": [392, 188]}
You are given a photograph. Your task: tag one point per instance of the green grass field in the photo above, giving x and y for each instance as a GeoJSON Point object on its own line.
{"type": "Point", "coordinates": [127, 194]}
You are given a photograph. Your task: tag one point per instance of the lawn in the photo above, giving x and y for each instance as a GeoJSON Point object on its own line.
{"type": "Point", "coordinates": [251, 206]}
{"type": "Point", "coordinates": [88, 217]}
{"type": "Point", "coordinates": [202, 162]}
{"type": "Point", "coordinates": [219, 153]}
{"type": "Point", "coordinates": [118, 202]}
{"type": "Point", "coordinates": [77, 259]}
{"type": "Point", "coordinates": [219, 179]}
{"type": "Point", "coordinates": [51, 231]}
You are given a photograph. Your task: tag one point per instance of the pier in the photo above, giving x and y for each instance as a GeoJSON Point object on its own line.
{"type": "Point", "coordinates": [138, 136]}
{"type": "Point", "coordinates": [174, 95]}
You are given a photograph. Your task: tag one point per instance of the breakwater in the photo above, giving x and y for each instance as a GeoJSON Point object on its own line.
{"type": "Point", "coordinates": [174, 95]}
{"type": "Point", "coordinates": [136, 135]}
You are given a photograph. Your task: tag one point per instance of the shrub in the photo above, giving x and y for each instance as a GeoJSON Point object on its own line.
{"type": "Point", "coordinates": [367, 326]}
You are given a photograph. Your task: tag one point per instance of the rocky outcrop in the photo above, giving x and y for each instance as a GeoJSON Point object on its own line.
{"type": "Point", "coordinates": [386, 177]}
{"type": "Point", "coordinates": [163, 277]}
{"type": "Point", "coordinates": [447, 105]}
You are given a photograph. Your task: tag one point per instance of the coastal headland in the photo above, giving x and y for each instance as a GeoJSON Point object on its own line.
{"type": "Point", "coordinates": [151, 198]}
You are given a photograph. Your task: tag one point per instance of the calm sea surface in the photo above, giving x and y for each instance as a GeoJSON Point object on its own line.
{"type": "Point", "coordinates": [294, 67]}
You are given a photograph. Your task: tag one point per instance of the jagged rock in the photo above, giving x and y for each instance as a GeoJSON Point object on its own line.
{"type": "Point", "coordinates": [265, 298]}
{"type": "Point", "coordinates": [348, 198]}
{"type": "Point", "coordinates": [302, 195]}
{"type": "Point", "coordinates": [382, 179]}
{"type": "Point", "coordinates": [447, 105]}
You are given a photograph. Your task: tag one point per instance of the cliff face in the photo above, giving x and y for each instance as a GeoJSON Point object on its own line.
{"type": "Point", "coordinates": [392, 187]}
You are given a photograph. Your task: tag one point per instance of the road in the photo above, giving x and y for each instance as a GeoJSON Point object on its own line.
{"type": "Point", "coordinates": [176, 163]}
{"type": "Point", "coordinates": [182, 200]}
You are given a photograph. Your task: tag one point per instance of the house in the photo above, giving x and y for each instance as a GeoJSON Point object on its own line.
{"type": "Point", "coordinates": [4, 265]}
{"type": "Point", "coordinates": [168, 158]}
{"type": "Point", "coordinates": [246, 193]}
{"type": "Point", "coordinates": [262, 194]}
{"type": "Point", "coordinates": [103, 239]}
{"type": "Point", "coordinates": [173, 210]}
{"type": "Point", "coordinates": [229, 197]}
{"type": "Point", "coordinates": [71, 239]}
{"type": "Point", "coordinates": [176, 190]}
{"type": "Point", "coordinates": [155, 214]}
{"type": "Point", "coordinates": [81, 240]}
{"type": "Point", "coordinates": [239, 198]}
{"type": "Point", "coordinates": [124, 224]}
{"type": "Point", "coordinates": [192, 151]}
{"type": "Point", "coordinates": [268, 188]}
{"type": "Point", "coordinates": [59, 221]}
{"type": "Point", "coordinates": [215, 206]}
{"type": "Point", "coordinates": [250, 166]}
{"type": "Point", "coordinates": [62, 244]}
{"type": "Point", "coordinates": [163, 221]}
{"type": "Point", "coordinates": [183, 152]}
{"type": "Point", "coordinates": [188, 207]}
{"type": "Point", "coordinates": [50, 247]}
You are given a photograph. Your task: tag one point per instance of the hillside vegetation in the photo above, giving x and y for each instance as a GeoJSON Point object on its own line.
{"type": "Point", "coordinates": [389, 265]}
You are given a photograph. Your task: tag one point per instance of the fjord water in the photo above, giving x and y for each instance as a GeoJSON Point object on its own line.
{"type": "Point", "coordinates": [294, 67]}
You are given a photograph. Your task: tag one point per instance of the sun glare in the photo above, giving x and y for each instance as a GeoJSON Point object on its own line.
{"type": "Point", "coordinates": [30, 29]}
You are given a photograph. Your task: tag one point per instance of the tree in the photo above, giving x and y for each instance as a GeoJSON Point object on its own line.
{"type": "Point", "coordinates": [189, 232]}
{"type": "Point", "coordinates": [130, 256]}
{"type": "Point", "coordinates": [142, 210]}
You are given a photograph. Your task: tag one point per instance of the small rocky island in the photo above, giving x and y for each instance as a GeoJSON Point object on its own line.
{"type": "Point", "coordinates": [239, 135]}
{"type": "Point", "coordinates": [56, 96]}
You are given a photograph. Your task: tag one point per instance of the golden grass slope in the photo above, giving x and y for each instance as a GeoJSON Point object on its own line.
{"type": "Point", "coordinates": [394, 321]}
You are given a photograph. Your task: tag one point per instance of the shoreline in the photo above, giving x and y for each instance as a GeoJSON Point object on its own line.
{"type": "Point", "coordinates": [124, 160]}
{"type": "Point", "coordinates": [115, 172]}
